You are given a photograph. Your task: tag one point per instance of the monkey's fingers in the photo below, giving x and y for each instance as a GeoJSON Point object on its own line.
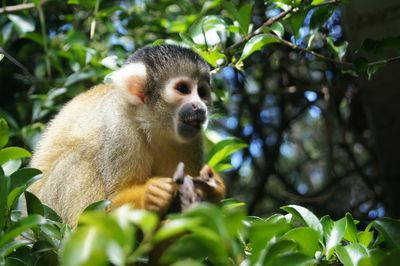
{"type": "Point", "coordinates": [164, 183]}
{"type": "Point", "coordinates": [156, 203]}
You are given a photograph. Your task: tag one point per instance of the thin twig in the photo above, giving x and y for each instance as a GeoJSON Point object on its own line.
{"type": "Point", "coordinates": [19, 7]}
{"type": "Point", "coordinates": [18, 64]}
{"type": "Point", "coordinates": [15, 8]}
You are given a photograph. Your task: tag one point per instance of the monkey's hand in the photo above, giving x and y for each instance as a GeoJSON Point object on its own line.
{"type": "Point", "coordinates": [210, 185]}
{"type": "Point", "coordinates": [158, 194]}
{"type": "Point", "coordinates": [154, 195]}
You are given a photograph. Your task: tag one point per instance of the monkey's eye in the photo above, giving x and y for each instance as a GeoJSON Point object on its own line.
{"type": "Point", "coordinates": [202, 91]}
{"type": "Point", "coordinates": [182, 88]}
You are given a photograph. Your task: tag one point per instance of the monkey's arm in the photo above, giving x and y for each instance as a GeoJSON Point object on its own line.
{"type": "Point", "coordinates": [154, 195]}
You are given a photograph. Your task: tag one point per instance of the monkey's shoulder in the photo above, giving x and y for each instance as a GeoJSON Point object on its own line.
{"type": "Point", "coordinates": [94, 93]}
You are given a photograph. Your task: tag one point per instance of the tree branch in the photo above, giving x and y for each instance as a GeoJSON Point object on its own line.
{"type": "Point", "coordinates": [270, 21]}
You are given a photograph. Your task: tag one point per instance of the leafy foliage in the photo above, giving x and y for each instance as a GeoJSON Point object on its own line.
{"type": "Point", "coordinates": [204, 234]}
{"type": "Point", "coordinates": [54, 50]}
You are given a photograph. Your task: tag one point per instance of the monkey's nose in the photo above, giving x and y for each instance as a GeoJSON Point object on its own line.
{"type": "Point", "coordinates": [195, 106]}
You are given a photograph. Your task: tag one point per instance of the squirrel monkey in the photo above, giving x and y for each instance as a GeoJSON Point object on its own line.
{"type": "Point", "coordinates": [123, 140]}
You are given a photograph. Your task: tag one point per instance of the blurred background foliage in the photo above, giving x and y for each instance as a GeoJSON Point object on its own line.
{"type": "Point", "coordinates": [286, 83]}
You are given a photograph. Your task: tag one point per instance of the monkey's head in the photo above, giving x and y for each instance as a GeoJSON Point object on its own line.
{"type": "Point", "coordinates": [173, 84]}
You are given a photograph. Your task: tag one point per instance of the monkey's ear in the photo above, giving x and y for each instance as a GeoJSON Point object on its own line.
{"type": "Point", "coordinates": [132, 80]}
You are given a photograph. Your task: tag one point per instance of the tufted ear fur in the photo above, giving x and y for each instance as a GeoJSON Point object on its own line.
{"type": "Point", "coordinates": [131, 78]}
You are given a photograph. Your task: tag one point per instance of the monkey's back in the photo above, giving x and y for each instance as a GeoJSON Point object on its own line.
{"type": "Point", "coordinates": [62, 150]}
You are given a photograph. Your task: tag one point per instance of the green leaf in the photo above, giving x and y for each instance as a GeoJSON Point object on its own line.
{"type": "Point", "coordinates": [12, 246]}
{"type": "Point", "coordinates": [1, 56]}
{"type": "Point", "coordinates": [222, 167]}
{"type": "Point", "coordinates": [351, 229]}
{"type": "Point", "coordinates": [4, 132]}
{"type": "Point", "coordinates": [175, 227]}
{"type": "Point", "coordinates": [287, 2]}
{"type": "Point", "coordinates": [279, 248]}
{"type": "Point", "coordinates": [306, 217]}
{"type": "Point", "coordinates": [33, 204]}
{"type": "Point", "coordinates": [261, 232]}
{"type": "Point", "coordinates": [390, 230]}
{"type": "Point", "coordinates": [194, 247]}
{"type": "Point", "coordinates": [12, 166]}
{"type": "Point", "coordinates": [295, 21]}
{"type": "Point", "coordinates": [244, 17]}
{"type": "Point", "coordinates": [98, 206]}
{"type": "Point", "coordinates": [187, 262]}
{"type": "Point", "coordinates": [257, 43]}
{"type": "Point", "coordinates": [213, 57]}
{"type": "Point", "coordinates": [223, 149]}
{"type": "Point", "coordinates": [33, 36]}
{"type": "Point", "coordinates": [390, 260]}
{"type": "Point", "coordinates": [307, 238]}
{"type": "Point", "coordinates": [12, 153]}
{"type": "Point", "coordinates": [365, 237]}
{"type": "Point", "coordinates": [23, 24]}
{"type": "Point", "coordinates": [371, 70]}
{"type": "Point", "coordinates": [278, 29]}
{"type": "Point", "coordinates": [104, 223]}
{"type": "Point", "coordinates": [145, 220]}
{"type": "Point", "coordinates": [339, 50]}
{"type": "Point", "coordinates": [317, 2]}
{"type": "Point", "coordinates": [351, 254]}
{"type": "Point", "coordinates": [85, 246]}
{"type": "Point", "coordinates": [320, 16]}
{"type": "Point", "coordinates": [24, 177]}
{"type": "Point", "coordinates": [4, 189]}
{"type": "Point", "coordinates": [20, 227]}
{"type": "Point", "coordinates": [333, 234]}
{"type": "Point", "coordinates": [204, 30]}
{"type": "Point", "coordinates": [50, 214]}
{"type": "Point", "coordinates": [293, 259]}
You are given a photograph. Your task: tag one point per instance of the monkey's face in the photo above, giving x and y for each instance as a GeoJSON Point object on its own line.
{"type": "Point", "coordinates": [189, 98]}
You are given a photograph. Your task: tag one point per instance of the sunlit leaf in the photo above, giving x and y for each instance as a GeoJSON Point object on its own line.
{"type": "Point", "coordinates": [305, 216]}
{"type": "Point", "coordinates": [365, 237]}
{"type": "Point", "coordinates": [339, 50]}
{"type": "Point", "coordinates": [351, 229]}
{"type": "Point", "coordinates": [12, 153]}
{"type": "Point", "coordinates": [23, 24]}
{"type": "Point", "coordinates": [175, 227]}
{"type": "Point", "coordinates": [213, 57]}
{"type": "Point", "coordinates": [84, 247]}
{"type": "Point", "coordinates": [257, 43]}
{"type": "Point", "coordinates": [351, 254]}
{"type": "Point", "coordinates": [307, 238]}
{"type": "Point", "coordinates": [98, 206]}
{"type": "Point", "coordinates": [11, 166]}
{"type": "Point", "coordinates": [333, 233]}
{"type": "Point", "coordinates": [223, 149]}
{"type": "Point", "coordinates": [278, 29]}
